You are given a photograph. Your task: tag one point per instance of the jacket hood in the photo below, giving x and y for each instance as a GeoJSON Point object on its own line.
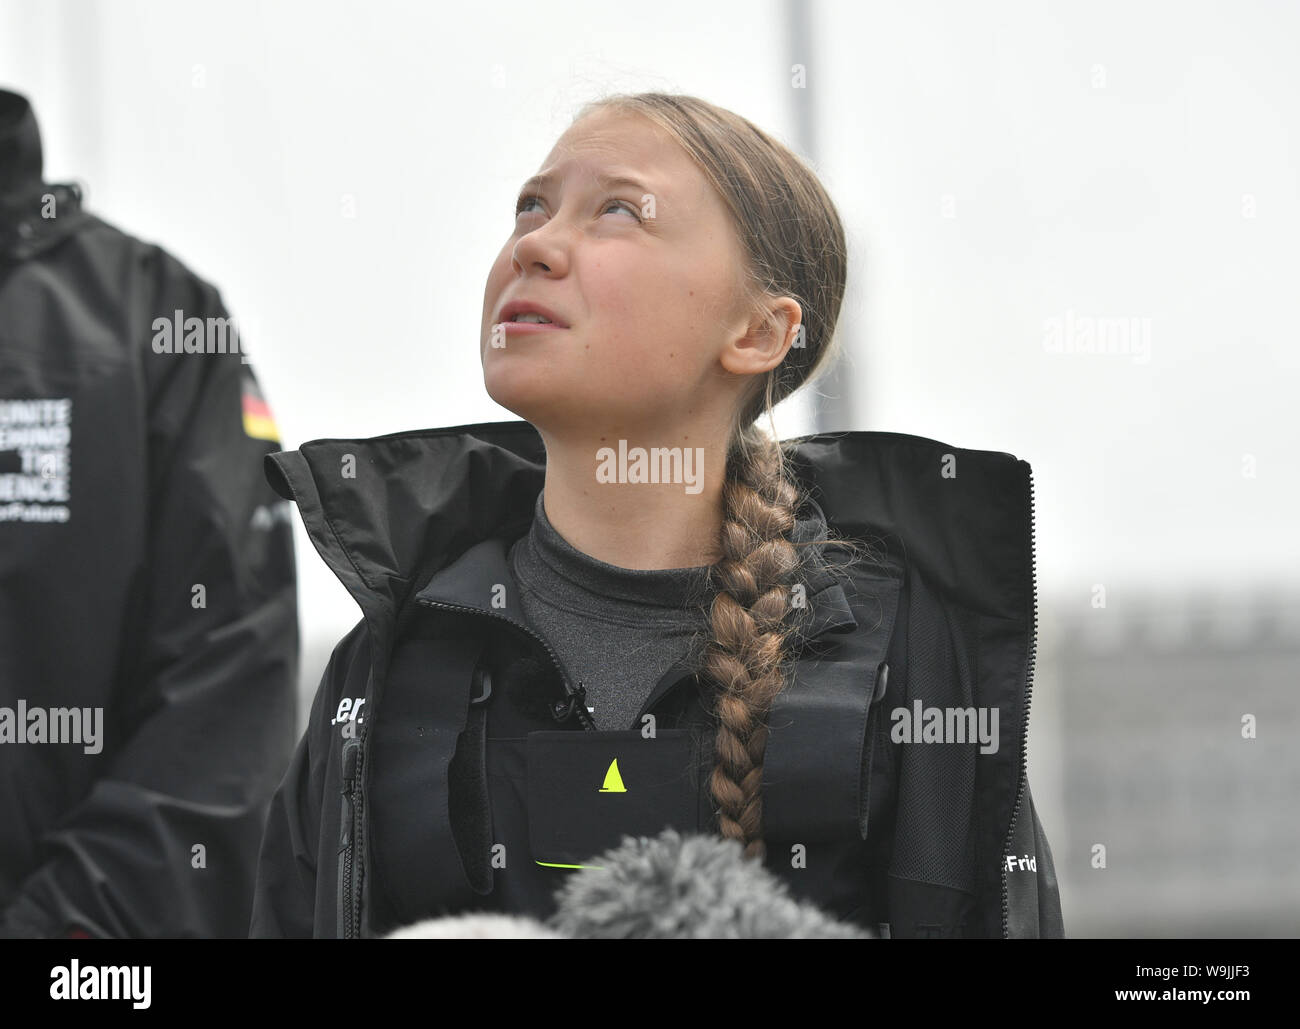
{"type": "Point", "coordinates": [388, 512]}
{"type": "Point", "coordinates": [34, 215]}
{"type": "Point", "coordinates": [20, 144]}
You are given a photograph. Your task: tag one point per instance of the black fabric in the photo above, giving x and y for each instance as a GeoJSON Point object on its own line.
{"type": "Point", "coordinates": [20, 144]}
{"type": "Point", "coordinates": [937, 844]}
{"type": "Point", "coordinates": [471, 820]}
{"type": "Point", "coordinates": [828, 716]}
{"type": "Point", "coordinates": [415, 735]}
{"type": "Point", "coordinates": [1033, 897]}
{"type": "Point", "coordinates": [934, 912]}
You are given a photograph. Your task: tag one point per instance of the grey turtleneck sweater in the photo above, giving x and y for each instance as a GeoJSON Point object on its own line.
{"type": "Point", "coordinates": [617, 630]}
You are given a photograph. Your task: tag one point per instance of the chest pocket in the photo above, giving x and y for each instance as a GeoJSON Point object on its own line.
{"type": "Point", "coordinates": [587, 790]}
{"type": "Point", "coordinates": [817, 765]}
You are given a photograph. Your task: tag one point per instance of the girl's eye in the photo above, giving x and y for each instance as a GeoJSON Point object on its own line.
{"type": "Point", "coordinates": [524, 201]}
{"type": "Point", "coordinates": [612, 201]}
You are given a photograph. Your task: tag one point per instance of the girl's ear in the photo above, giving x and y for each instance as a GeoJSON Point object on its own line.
{"type": "Point", "coordinates": [767, 339]}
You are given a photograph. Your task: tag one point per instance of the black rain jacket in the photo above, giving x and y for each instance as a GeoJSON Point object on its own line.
{"type": "Point", "coordinates": [431, 778]}
{"type": "Point", "coordinates": [128, 479]}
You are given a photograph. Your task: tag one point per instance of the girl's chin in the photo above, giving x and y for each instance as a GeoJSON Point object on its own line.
{"type": "Point", "coordinates": [555, 407]}
{"type": "Point", "coordinates": [526, 397]}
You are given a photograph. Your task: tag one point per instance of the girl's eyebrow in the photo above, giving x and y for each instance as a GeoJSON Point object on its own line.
{"type": "Point", "coordinates": [605, 181]}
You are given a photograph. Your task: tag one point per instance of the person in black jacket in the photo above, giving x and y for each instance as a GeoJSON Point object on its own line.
{"type": "Point", "coordinates": [517, 693]}
{"type": "Point", "coordinates": [148, 611]}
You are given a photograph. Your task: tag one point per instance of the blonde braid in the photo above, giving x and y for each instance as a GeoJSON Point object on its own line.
{"type": "Point", "coordinates": [754, 576]}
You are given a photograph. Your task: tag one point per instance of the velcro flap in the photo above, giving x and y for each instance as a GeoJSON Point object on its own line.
{"type": "Point", "coordinates": [816, 763]}
{"type": "Point", "coordinates": [424, 709]}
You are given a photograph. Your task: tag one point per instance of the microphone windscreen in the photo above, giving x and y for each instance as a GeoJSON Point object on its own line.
{"type": "Point", "coordinates": [691, 886]}
{"type": "Point", "coordinates": [477, 925]}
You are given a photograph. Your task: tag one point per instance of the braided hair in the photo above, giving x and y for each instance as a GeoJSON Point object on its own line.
{"type": "Point", "coordinates": [795, 244]}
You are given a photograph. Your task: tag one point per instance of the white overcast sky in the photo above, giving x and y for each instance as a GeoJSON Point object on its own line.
{"type": "Point", "coordinates": [998, 165]}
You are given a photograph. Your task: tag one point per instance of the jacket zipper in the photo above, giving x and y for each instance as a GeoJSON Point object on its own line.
{"type": "Point", "coordinates": [350, 827]}
{"type": "Point", "coordinates": [1029, 691]}
{"type": "Point", "coordinates": [577, 698]}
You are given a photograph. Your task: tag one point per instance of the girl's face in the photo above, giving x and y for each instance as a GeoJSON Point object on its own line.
{"type": "Point", "coordinates": [644, 277]}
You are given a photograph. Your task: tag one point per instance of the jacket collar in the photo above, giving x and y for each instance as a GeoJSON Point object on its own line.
{"type": "Point", "coordinates": [472, 578]}
{"type": "Point", "coordinates": [34, 215]}
{"type": "Point", "coordinates": [432, 511]}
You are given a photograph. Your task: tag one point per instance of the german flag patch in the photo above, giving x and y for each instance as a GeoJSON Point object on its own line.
{"type": "Point", "coordinates": [258, 420]}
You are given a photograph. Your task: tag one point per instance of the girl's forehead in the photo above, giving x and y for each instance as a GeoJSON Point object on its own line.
{"type": "Point", "coordinates": [617, 136]}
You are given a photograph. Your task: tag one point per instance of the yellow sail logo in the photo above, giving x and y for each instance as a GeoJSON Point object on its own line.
{"type": "Point", "coordinates": [613, 781]}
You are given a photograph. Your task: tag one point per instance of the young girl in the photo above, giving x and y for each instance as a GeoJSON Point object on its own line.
{"type": "Point", "coordinates": [636, 609]}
